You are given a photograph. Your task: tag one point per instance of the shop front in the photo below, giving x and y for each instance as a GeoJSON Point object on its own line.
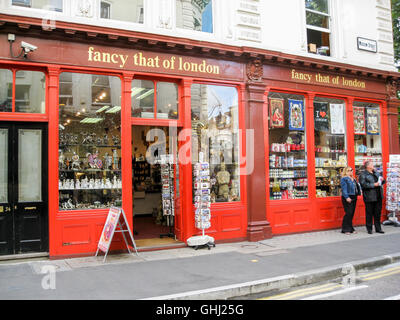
{"type": "Point", "coordinates": [97, 126]}
{"type": "Point", "coordinates": [319, 123]}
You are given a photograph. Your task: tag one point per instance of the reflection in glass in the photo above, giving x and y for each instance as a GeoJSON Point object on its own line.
{"type": "Point", "coordinates": [288, 148]}
{"type": "Point", "coordinates": [89, 142]}
{"type": "Point", "coordinates": [317, 5]}
{"type": "Point", "coordinates": [194, 15]}
{"type": "Point", "coordinates": [122, 10]}
{"type": "Point", "coordinates": [30, 92]}
{"type": "Point", "coordinates": [142, 99]}
{"type": "Point", "coordinates": [6, 87]}
{"type": "Point", "coordinates": [29, 165]}
{"type": "Point", "coordinates": [3, 165]}
{"type": "Point", "coordinates": [367, 135]}
{"type": "Point", "coordinates": [167, 100]}
{"type": "Point", "coordinates": [51, 5]}
{"type": "Point", "coordinates": [215, 132]}
{"type": "Point", "coordinates": [330, 145]}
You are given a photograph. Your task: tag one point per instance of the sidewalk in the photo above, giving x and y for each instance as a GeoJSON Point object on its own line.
{"type": "Point", "coordinates": [225, 271]}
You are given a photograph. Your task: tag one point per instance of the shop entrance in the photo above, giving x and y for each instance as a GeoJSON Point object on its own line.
{"type": "Point", "coordinates": [155, 185]}
{"type": "Point", "coordinates": [23, 188]}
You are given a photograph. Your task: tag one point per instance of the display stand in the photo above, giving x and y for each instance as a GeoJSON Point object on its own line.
{"type": "Point", "coordinates": [168, 193]}
{"type": "Point", "coordinates": [110, 228]}
{"type": "Point", "coordinates": [393, 191]}
{"type": "Point", "coordinates": [202, 201]}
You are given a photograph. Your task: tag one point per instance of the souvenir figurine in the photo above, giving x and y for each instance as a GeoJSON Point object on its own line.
{"type": "Point", "coordinates": [75, 162]}
{"type": "Point", "coordinates": [115, 140]}
{"type": "Point", "coordinates": [115, 159]}
{"type": "Point", "coordinates": [61, 159]}
{"type": "Point", "coordinates": [108, 161]}
{"type": "Point", "coordinates": [105, 140]}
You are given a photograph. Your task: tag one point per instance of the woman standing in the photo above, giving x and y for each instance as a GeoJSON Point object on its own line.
{"type": "Point", "coordinates": [350, 191]}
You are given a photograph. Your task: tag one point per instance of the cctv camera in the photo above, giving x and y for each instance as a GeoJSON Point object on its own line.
{"type": "Point", "coordinates": [27, 47]}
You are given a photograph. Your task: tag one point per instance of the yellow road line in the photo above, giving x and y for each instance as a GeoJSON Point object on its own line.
{"type": "Point", "coordinates": [303, 292]}
{"type": "Point", "coordinates": [384, 274]}
{"type": "Point", "coordinates": [379, 272]}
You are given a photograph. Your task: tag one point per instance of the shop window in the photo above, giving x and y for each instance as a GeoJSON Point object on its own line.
{"type": "Point", "coordinates": [288, 148]}
{"type": "Point", "coordinates": [89, 142]}
{"type": "Point", "coordinates": [330, 145]}
{"type": "Point", "coordinates": [122, 10]}
{"type": "Point", "coordinates": [215, 132]}
{"type": "Point", "coordinates": [195, 15]}
{"type": "Point", "coordinates": [318, 26]}
{"type": "Point", "coordinates": [6, 90]}
{"type": "Point", "coordinates": [367, 135]}
{"type": "Point", "coordinates": [148, 96]}
{"type": "Point", "coordinates": [51, 5]}
{"type": "Point", "coordinates": [30, 88]}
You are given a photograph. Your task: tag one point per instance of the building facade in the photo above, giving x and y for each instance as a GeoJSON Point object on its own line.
{"type": "Point", "coordinates": [279, 98]}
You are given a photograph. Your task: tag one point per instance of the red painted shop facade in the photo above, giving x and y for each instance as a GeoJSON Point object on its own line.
{"type": "Point", "coordinates": [84, 115]}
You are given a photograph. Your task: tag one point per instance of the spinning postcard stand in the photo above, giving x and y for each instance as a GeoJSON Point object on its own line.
{"type": "Point", "coordinates": [202, 202]}
{"type": "Point", "coordinates": [110, 227]}
{"type": "Point", "coordinates": [168, 193]}
{"type": "Point", "coordinates": [393, 190]}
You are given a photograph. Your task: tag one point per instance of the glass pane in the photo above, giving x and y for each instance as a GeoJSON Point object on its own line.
{"type": "Point", "coordinates": [167, 100]}
{"type": "Point", "coordinates": [6, 87]}
{"type": "Point", "coordinates": [330, 145]}
{"type": "Point", "coordinates": [194, 15]}
{"type": "Point", "coordinates": [318, 20]}
{"type": "Point", "coordinates": [52, 5]}
{"type": "Point", "coordinates": [29, 165]}
{"type": "Point", "coordinates": [142, 99]}
{"type": "Point", "coordinates": [318, 5]}
{"type": "Point", "coordinates": [215, 132]}
{"type": "Point", "coordinates": [288, 148]}
{"type": "Point", "coordinates": [367, 135]}
{"type": "Point", "coordinates": [122, 10]}
{"type": "Point", "coordinates": [318, 42]}
{"type": "Point", "coordinates": [3, 165]}
{"type": "Point", "coordinates": [30, 88]}
{"type": "Point", "coordinates": [90, 142]}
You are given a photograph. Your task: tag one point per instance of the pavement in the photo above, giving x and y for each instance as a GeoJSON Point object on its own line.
{"type": "Point", "coordinates": [226, 271]}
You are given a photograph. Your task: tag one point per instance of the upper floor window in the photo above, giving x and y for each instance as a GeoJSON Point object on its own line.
{"type": "Point", "coordinates": [195, 15]}
{"type": "Point", "coordinates": [318, 26]}
{"type": "Point", "coordinates": [51, 5]}
{"type": "Point", "coordinates": [122, 10]}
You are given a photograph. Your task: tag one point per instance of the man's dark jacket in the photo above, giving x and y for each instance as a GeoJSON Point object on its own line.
{"type": "Point", "coordinates": [367, 181]}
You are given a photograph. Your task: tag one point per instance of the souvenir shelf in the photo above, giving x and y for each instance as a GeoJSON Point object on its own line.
{"type": "Point", "coordinates": [141, 170]}
{"type": "Point", "coordinates": [89, 174]}
{"type": "Point", "coordinates": [168, 192]}
{"type": "Point", "coordinates": [330, 159]}
{"type": "Point", "coordinates": [288, 171]}
{"type": "Point", "coordinates": [393, 193]}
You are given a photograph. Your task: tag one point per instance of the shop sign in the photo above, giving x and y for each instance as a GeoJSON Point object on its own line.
{"type": "Point", "coordinates": [320, 78]}
{"type": "Point", "coordinates": [367, 45]}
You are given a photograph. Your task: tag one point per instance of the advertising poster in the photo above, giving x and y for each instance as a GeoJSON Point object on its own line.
{"type": "Point", "coordinates": [337, 118]}
{"type": "Point", "coordinates": [276, 111]}
{"type": "Point", "coordinates": [321, 117]}
{"type": "Point", "coordinates": [296, 115]}
{"type": "Point", "coordinates": [373, 121]}
{"type": "Point", "coordinates": [109, 228]}
{"type": "Point", "coordinates": [359, 120]}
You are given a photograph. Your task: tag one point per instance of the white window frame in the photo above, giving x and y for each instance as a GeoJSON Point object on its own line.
{"type": "Point", "coordinates": [325, 30]}
{"type": "Point", "coordinates": [17, 7]}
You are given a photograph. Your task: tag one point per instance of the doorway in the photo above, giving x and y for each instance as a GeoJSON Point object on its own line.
{"type": "Point", "coordinates": [155, 185]}
{"type": "Point", "coordinates": [23, 188]}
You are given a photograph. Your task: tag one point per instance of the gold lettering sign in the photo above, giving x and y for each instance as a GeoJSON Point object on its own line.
{"type": "Point", "coordinates": [140, 59]}
{"type": "Point", "coordinates": [327, 79]}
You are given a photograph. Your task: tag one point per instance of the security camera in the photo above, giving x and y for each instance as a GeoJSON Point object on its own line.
{"type": "Point", "coordinates": [27, 47]}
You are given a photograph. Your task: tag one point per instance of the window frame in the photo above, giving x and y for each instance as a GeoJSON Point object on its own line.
{"type": "Point", "coordinates": [22, 7]}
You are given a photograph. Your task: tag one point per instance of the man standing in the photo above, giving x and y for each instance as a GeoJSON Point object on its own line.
{"type": "Point", "coordinates": [371, 183]}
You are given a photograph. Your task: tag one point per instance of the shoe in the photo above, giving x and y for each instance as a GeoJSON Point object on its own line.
{"type": "Point", "coordinates": [369, 232]}
{"type": "Point", "coordinates": [380, 231]}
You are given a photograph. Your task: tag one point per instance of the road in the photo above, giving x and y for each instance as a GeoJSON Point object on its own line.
{"type": "Point", "coordinates": [379, 284]}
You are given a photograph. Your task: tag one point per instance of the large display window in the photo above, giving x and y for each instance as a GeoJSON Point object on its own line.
{"type": "Point", "coordinates": [215, 132]}
{"type": "Point", "coordinates": [89, 142]}
{"type": "Point", "coordinates": [288, 148]}
{"type": "Point", "coordinates": [367, 135]}
{"type": "Point", "coordinates": [330, 145]}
